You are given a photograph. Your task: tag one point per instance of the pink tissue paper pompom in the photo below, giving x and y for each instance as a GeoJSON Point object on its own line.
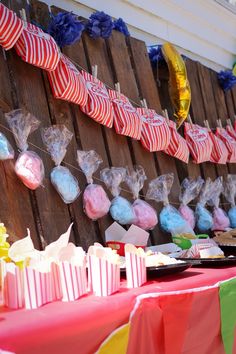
{"type": "Point", "coordinates": [145, 215]}
{"type": "Point", "coordinates": [95, 201]}
{"type": "Point", "coordinates": [220, 220]}
{"type": "Point", "coordinates": [29, 168]}
{"type": "Point", "coordinates": [188, 215]}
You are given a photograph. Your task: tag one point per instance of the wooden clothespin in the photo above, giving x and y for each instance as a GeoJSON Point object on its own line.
{"type": "Point", "coordinates": [206, 123]}
{"type": "Point", "coordinates": [165, 114]}
{"type": "Point", "coordinates": [117, 87]}
{"type": "Point", "coordinates": [219, 123]}
{"type": "Point", "coordinates": [229, 123]}
{"type": "Point", "coordinates": [23, 15]}
{"type": "Point", "coordinates": [144, 103]}
{"type": "Point", "coordinates": [95, 71]}
{"type": "Point", "coordinates": [190, 120]}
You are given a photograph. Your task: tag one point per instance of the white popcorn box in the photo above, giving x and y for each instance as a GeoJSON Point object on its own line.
{"type": "Point", "coordinates": [2, 279]}
{"type": "Point", "coordinates": [13, 294]}
{"type": "Point", "coordinates": [136, 272]}
{"type": "Point", "coordinates": [73, 280]}
{"type": "Point", "coordinates": [105, 276]}
{"type": "Point", "coordinates": [38, 287]}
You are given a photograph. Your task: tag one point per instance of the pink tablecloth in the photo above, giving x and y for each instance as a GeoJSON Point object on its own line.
{"type": "Point", "coordinates": [81, 326]}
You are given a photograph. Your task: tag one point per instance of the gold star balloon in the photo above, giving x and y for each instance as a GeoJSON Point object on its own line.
{"type": "Point", "coordinates": [179, 87]}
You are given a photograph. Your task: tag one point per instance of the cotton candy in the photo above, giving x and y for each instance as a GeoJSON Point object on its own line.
{"type": "Point", "coordinates": [188, 215]}
{"type": "Point", "coordinates": [232, 217]}
{"type": "Point", "coordinates": [29, 168]}
{"type": "Point", "coordinates": [6, 150]}
{"type": "Point", "coordinates": [95, 201]}
{"type": "Point", "coordinates": [121, 211]}
{"type": "Point", "coordinates": [65, 184]}
{"type": "Point", "coordinates": [220, 220]}
{"type": "Point", "coordinates": [204, 219]}
{"type": "Point", "coordinates": [171, 220]}
{"type": "Point", "coordinates": [145, 215]}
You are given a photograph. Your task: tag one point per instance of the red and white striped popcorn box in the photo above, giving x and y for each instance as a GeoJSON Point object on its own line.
{"type": "Point", "coordinates": [13, 294]}
{"type": "Point", "coordinates": [219, 151]}
{"type": "Point", "coordinates": [72, 269]}
{"type": "Point", "coordinates": [105, 271]}
{"type": "Point", "coordinates": [56, 282]}
{"type": "Point", "coordinates": [229, 142]}
{"type": "Point", "coordinates": [231, 131]}
{"type": "Point", "coordinates": [11, 27]}
{"type": "Point", "coordinates": [155, 135]}
{"type": "Point", "coordinates": [37, 47]}
{"type": "Point", "coordinates": [67, 83]}
{"type": "Point", "coordinates": [98, 106]}
{"type": "Point", "coordinates": [127, 120]}
{"type": "Point", "coordinates": [38, 284]}
{"type": "Point", "coordinates": [136, 272]}
{"type": "Point", "coordinates": [199, 142]}
{"type": "Point", "coordinates": [178, 147]}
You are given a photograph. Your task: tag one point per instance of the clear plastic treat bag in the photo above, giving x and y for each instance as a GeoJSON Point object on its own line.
{"type": "Point", "coordinates": [204, 221]}
{"type": "Point", "coordinates": [6, 150]}
{"type": "Point", "coordinates": [56, 139]}
{"type": "Point", "coordinates": [145, 214]}
{"type": "Point", "coordinates": [229, 193]}
{"type": "Point", "coordinates": [121, 209]}
{"type": "Point", "coordinates": [29, 166]}
{"type": "Point", "coordinates": [170, 219]}
{"type": "Point", "coordinates": [220, 218]}
{"type": "Point", "coordinates": [190, 189]}
{"type": "Point", "coordinates": [95, 200]}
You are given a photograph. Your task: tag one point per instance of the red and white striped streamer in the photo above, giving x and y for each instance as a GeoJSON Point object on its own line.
{"type": "Point", "coordinates": [98, 106]}
{"type": "Point", "coordinates": [11, 27]}
{"type": "Point", "coordinates": [178, 147]}
{"type": "Point", "coordinates": [104, 276]}
{"type": "Point", "coordinates": [199, 142]}
{"type": "Point", "coordinates": [127, 121]}
{"type": "Point", "coordinates": [219, 151]}
{"type": "Point", "coordinates": [37, 48]}
{"type": "Point", "coordinates": [229, 142]}
{"type": "Point", "coordinates": [73, 281]}
{"type": "Point", "coordinates": [136, 272]}
{"type": "Point", "coordinates": [67, 83]}
{"type": "Point", "coordinates": [155, 135]}
{"type": "Point", "coordinates": [13, 295]}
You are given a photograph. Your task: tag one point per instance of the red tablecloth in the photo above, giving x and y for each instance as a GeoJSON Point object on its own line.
{"type": "Point", "coordinates": [81, 326]}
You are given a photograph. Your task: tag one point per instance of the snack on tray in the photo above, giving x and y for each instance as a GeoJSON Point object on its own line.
{"type": "Point", "coordinates": [226, 238]}
{"type": "Point", "coordinates": [196, 251]}
{"type": "Point", "coordinates": [159, 259]}
{"type": "Point", "coordinates": [212, 252]}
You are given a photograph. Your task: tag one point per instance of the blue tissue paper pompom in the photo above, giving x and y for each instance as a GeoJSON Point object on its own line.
{"type": "Point", "coordinates": [65, 184]}
{"type": "Point", "coordinates": [232, 217]}
{"type": "Point", "coordinates": [155, 55]}
{"type": "Point", "coordinates": [120, 25]}
{"type": "Point", "coordinates": [99, 25]}
{"type": "Point", "coordinates": [171, 220]}
{"type": "Point", "coordinates": [226, 79]}
{"type": "Point", "coordinates": [204, 219]}
{"type": "Point", "coordinates": [65, 28]}
{"type": "Point", "coordinates": [6, 150]}
{"type": "Point", "coordinates": [121, 211]}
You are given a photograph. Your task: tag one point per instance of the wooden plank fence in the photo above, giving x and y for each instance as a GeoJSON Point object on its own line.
{"type": "Point", "coordinates": [119, 60]}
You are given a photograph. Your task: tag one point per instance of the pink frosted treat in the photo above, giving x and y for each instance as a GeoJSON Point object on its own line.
{"type": "Point", "coordinates": [29, 168]}
{"type": "Point", "coordinates": [220, 220]}
{"type": "Point", "coordinates": [95, 201]}
{"type": "Point", "coordinates": [187, 214]}
{"type": "Point", "coordinates": [145, 215]}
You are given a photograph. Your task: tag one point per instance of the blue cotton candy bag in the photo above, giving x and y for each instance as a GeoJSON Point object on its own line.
{"type": "Point", "coordinates": [121, 209]}
{"type": "Point", "coordinates": [6, 150]}
{"type": "Point", "coordinates": [56, 139]}
{"type": "Point", "coordinates": [170, 219]}
{"type": "Point", "coordinates": [204, 221]}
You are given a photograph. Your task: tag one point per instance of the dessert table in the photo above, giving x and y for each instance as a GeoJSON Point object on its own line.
{"type": "Point", "coordinates": [178, 313]}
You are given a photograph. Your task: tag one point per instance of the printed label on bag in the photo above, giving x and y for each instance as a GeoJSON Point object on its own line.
{"type": "Point", "coordinates": [125, 105]}
{"type": "Point", "coordinates": [153, 119]}
{"type": "Point", "coordinates": [197, 134]}
{"type": "Point", "coordinates": [97, 89]}
{"type": "Point", "coordinates": [37, 32]}
{"type": "Point", "coordinates": [228, 137]}
{"type": "Point", "coordinates": [70, 65]}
